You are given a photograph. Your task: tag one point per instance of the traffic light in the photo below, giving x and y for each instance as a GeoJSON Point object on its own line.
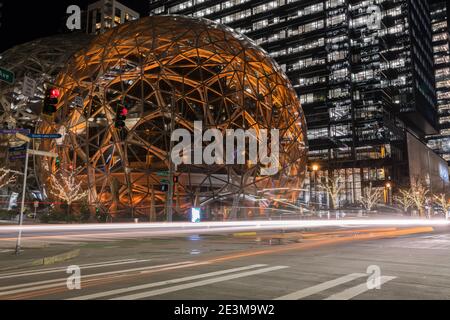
{"type": "Point", "coordinates": [121, 116]}
{"type": "Point", "coordinates": [58, 162]}
{"type": "Point", "coordinates": [50, 101]}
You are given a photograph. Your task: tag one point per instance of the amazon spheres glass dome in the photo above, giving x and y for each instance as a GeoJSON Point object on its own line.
{"type": "Point", "coordinates": [172, 72]}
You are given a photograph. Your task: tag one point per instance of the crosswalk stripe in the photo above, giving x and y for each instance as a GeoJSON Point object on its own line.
{"type": "Point", "coordinates": [62, 281]}
{"type": "Point", "coordinates": [322, 287]}
{"type": "Point", "coordinates": [9, 276]}
{"type": "Point", "coordinates": [167, 282]}
{"type": "Point", "coordinates": [158, 292]}
{"type": "Point", "coordinates": [356, 291]}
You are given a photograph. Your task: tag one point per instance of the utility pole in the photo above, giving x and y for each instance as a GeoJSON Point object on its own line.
{"type": "Point", "coordinates": [22, 205]}
{"type": "Point", "coordinates": [27, 140]}
{"type": "Point", "coordinates": [170, 192]}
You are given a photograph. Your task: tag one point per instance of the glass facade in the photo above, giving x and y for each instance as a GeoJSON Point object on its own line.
{"type": "Point", "coordinates": [362, 87]}
{"type": "Point", "coordinates": [107, 14]}
{"type": "Point", "coordinates": [441, 42]}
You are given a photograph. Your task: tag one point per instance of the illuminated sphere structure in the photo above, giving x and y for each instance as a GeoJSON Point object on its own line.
{"type": "Point", "coordinates": [170, 71]}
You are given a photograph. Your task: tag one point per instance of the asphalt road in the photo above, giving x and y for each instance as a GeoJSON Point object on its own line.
{"type": "Point", "coordinates": [41, 235]}
{"type": "Point", "coordinates": [412, 266]}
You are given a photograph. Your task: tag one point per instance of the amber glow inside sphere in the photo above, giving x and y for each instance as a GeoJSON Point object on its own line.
{"type": "Point", "coordinates": [168, 72]}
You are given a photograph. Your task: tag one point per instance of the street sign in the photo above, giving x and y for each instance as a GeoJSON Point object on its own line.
{"type": "Point", "coordinates": [62, 132]}
{"type": "Point", "coordinates": [22, 137]}
{"type": "Point", "coordinates": [45, 136]}
{"type": "Point", "coordinates": [196, 215]}
{"type": "Point", "coordinates": [7, 76]}
{"type": "Point", "coordinates": [29, 87]}
{"type": "Point", "coordinates": [162, 173]}
{"type": "Point", "coordinates": [164, 181]}
{"type": "Point", "coordinates": [19, 157]}
{"type": "Point", "coordinates": [14, 131]}
{"type": "Point", "coordinates": [17, 149]}
{"type": "Point", "coordinates": [42, 153]}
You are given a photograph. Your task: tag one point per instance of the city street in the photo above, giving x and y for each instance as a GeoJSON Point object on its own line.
{"type": "Point", "coordinates": [324, 264]}
{"type": "Point", "coordinates": [184, 153]}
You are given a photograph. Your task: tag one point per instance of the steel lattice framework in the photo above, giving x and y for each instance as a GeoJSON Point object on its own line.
{"type": "Point", "coordinates": [42, 60]}
{"type": "Point", "coordinates": [172, 70]}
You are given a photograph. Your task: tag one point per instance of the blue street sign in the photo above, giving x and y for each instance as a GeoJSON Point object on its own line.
{"type": "Point", "coordinates": [17, 149]}
{"type": "Point", "coordinates": [19, 157]}
{"type": "Point", "coordinates": [45, 136]}
{"type": "Point", "coordinates": [14, 131]}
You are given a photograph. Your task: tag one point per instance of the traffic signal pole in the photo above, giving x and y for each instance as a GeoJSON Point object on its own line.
{"type": "Point", "coordinates": [170, 192]}
{"type": "Point", "coordinates": [22, 205]}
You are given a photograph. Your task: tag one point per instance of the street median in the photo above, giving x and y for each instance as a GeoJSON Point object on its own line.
{"type": "Point", "coordinates": [46, 261]}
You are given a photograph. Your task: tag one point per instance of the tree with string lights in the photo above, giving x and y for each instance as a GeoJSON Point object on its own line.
{"type": "Point", "coordinates": [443, 201]}
{"type": "Point", "coordinates": [66, 188]}
{"type": "Point", "coordinates": [372, 196]}
{"type": "Point", "coordinates": [7, 177]}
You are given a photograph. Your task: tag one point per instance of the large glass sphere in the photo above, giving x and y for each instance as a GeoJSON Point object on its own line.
{"type": "Point", "coordinates": [170, 71]}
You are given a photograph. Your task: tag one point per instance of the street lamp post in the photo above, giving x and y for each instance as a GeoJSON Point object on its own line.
{"type": "Point", "coordinates": [389, 193]}
{"type": "Point", "coordinates": [315, 168]}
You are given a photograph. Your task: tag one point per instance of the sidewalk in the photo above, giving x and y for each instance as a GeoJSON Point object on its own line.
{"type": "Point", "coordinates": [32, 257]}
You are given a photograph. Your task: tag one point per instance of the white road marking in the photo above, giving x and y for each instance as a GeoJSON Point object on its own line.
{"type": "Point", "coordinates": [356, 291]}
{"type": "Point", "coordinates": [63, 268]}
{"type": "Point", "coordinates": [322, 287]}
{"type": "Point", "coordinates": [32, 273]}
{"type": "Point", "coordinates": [153, 293]}
{"type": "Point", "coordinates": [167, 282]}
{"type": "Point", "coordinates": [35, 286]}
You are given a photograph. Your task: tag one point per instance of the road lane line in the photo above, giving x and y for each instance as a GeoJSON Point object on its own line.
{"type": "Point", "coordinates": [322, 287]}
{"type": "Point", "coordinates": [34, 286]}
{"type": "Point", "coordinates": [167, 282]}
{"type": "Point", "coordinates": [356, 291]}
{"type": "Point", "coordinates": [159, 292]}
{"type": "Point", "coordinates": [63, 269]}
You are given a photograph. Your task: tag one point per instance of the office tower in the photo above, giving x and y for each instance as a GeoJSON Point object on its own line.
{"type": "Point", "coordinates": [439, 13]}
{"type": "Point", "coordinates": [364, 73]}
{"type": "Point", "coordinates": [106, 14]}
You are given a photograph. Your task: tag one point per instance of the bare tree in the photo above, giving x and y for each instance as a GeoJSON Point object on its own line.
{"type": "Point", "coordinates": [66, 188]}
{"type": "Point", "coordinates": [443, 201]}
{"type": "Point", "coordinates": [372, 196]}
{"type": "Point", "coordinates": [418, 194]}
{"type": "Point", "coordinates": [7, 177]}
{"type": "Point", "coordinates": [333, 186]}
{"type": "Point", "coordinates": [404, 200]}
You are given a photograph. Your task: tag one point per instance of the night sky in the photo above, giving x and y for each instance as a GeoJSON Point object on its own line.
{"type": "Point", "coordinates": [26, 20]}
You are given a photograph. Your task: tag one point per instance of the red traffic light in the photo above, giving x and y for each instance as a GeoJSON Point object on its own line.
{"type": "Point", "coordinates": [124, 112]}
{"type": "Point", "coordinates": [54, 93]}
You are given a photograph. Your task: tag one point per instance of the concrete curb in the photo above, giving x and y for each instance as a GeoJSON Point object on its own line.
{"type": "Point", "coordinates": [244, 234]}
{"type": "Point", "coordinates": [46, 261]}
{"type": "Point", "coordinates": [61, 257]}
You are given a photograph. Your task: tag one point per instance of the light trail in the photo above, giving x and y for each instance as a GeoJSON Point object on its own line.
{"type": "Point", "coordinates": [182, 228]}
